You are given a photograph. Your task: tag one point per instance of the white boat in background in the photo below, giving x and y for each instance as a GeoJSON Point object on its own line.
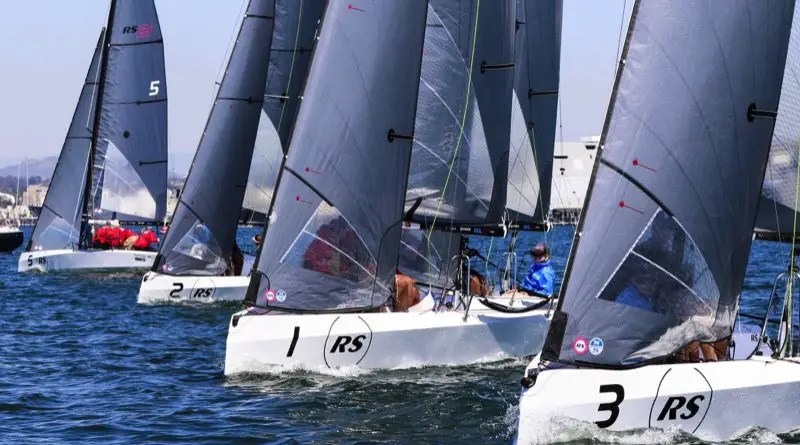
{"type": "Point", "coordinates": [641, 334]}
{"type": "Point", "coordinates": [113, 165]}
{"type": "Point", "coordinates": [244, 139]}
{"type": "Point", "coordinates": [322, 294]}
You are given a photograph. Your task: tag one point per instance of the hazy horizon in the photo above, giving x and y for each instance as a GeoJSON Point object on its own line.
{"type": "Point", "coordinates": [45, 69]}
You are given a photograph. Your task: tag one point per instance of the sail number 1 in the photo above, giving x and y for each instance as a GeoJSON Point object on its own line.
{"type": "Point", "coordinates": [611, 407]}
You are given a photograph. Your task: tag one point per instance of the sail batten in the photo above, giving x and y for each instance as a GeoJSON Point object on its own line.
{"type": "Point", "coordinates": [666, 232]}
{"type": "Point", "coordinates": [340, 252]}
{"type": "Point", "coordinates": [203, 230]}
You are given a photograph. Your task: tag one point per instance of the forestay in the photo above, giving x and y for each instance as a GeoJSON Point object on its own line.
{"type": "Point", "coordinates": [334, 229]}
{"type": "Point", "coordinates": [534, 109]}
{"type": "Point", "coordinates": [203, 230]}
{"type": "Point", "coordinates": [776, 212]}
{"type": "Point", "coordinates": [59, 223]}
{"type": "Point", "coordinates": [129, 175]}
{"type": "Point", "coordinates": [459, 165]}
{"type": "Point", "coordinates": [293, 40]}
{"type": "Point", "coordinates": [660, 255]}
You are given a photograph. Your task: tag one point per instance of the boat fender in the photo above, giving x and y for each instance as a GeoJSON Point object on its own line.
{"type": "Point", "coordinates": [235, 320]}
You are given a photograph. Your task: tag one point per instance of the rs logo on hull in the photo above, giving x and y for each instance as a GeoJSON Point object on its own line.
{"type": "Point", "coordinates": [348, 341]}
{"type": "Point", "coordinates": [343, 341]}
{"type": "Point", "coordinates": [683, 399]}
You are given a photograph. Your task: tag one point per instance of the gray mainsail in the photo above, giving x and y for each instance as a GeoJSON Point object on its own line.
{"type": "Point", "coordinates": [778, 209]}
{"type": "Point", "coordinates": [59, 223]}
{"type": "Point", "coordinates": [129, 172]}
{"type": "Point", "coordinates": [293, 40]}
{"type": "Point", "coordinates": [535, 106]}
{"type": "Point", "coordinates": [459, 166]}
{"type": "Point", "coordinates": [203, 229]}
{"type": "Point", "coordinates": [659, 257]}
{"type": "Point", "coordinates": [334, 228]}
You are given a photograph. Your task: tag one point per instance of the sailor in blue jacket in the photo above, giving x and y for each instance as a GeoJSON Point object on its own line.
{"type": "Point", "coordinates": [541, 276]}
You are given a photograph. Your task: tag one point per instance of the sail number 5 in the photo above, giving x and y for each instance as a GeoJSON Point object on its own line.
{"type": "Point", "coordinates": [611, 407]}
{"type": "Point", "coordinates": [154, 88]}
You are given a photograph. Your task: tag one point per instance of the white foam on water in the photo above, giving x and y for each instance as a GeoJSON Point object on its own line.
{"type": "Point", "coordinates": [755, 436]}
{"type": "Point", "coordinates": [565, 430]}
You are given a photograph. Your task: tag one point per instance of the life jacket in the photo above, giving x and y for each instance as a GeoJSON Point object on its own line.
{"type": "Point", "coordinates": [114, 236]}
{"type": "Point", "coordinates": [145, 239]}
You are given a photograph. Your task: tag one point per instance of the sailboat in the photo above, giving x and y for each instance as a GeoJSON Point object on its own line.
{"type": "Point", "coordinates": [659, 257]}
{"type": "Point", "coordinates": [251, 120]}
{"type": "Point", "coordinates": [322, 293]}
{"type": "Point", "coordinates": [113, 165]}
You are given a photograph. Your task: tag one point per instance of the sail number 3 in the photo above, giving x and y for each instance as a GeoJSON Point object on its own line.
{"type": "Point", "coordinates": [611, 407]}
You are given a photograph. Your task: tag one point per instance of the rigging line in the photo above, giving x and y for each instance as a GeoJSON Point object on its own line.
{"type": "Point", "coordinates": [794, 227]}
{"type": "Point", "coordinates": [291, 66]}
{"type": "Point", "coordinates": [619, 37]}
{"type": "Point", "coordinates": [463, 119]}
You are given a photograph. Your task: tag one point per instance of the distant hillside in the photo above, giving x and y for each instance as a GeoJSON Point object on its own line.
{"type": "Point", "coordinates": [35, 167]}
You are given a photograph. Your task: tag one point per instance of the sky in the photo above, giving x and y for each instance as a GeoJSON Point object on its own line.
{"type": "Point", "coordinates": [47, 46]}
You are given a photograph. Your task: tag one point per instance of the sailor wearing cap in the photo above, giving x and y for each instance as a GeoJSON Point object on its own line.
{"type": "Point", "coordinates": [541, 276]}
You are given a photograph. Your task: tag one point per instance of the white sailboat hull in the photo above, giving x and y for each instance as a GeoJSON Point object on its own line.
{"type": "Point", "coordinates": [68, 260]}
{"type": "Point", "coordinates": [713, 401]}
{"type": "Point", "coordinates": [159, 288]}
{"type": "Point", "coordinates": [266, 342]}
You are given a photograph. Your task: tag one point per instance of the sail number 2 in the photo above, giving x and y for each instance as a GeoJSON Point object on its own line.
{"type": "Point", "coordinates": [611, 407]}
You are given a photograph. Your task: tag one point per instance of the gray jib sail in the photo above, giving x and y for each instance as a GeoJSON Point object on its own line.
{"type": "Point", "coordinates": [459, 165]}
{"type": "Point", "coordinates": [293, 39]}
{"type": "Point", "coordinates": [334, 230]}
{"type": "Point", "coordinates": [777, 210]}
{"type": "Point", "coordinates": [58, 225]}
{"type": "Point", "coordinates": [536, 77]}
{"type": "Point", "coordinates": [203, 229]}
{"type": "Point", "coordinates": [660, 254]}
{"type": "Point", "coordinates": [429, 256]}
{"type": "Point", "coordinates": [130, 151]}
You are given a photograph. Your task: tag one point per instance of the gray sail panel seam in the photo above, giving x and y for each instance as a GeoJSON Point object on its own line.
{"type": "Point", "coordinates": [257, 16]}
{"type": "Point", "coordinates": [671, 275]}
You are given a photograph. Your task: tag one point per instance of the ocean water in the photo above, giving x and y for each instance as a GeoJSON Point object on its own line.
{"type": "Point", "coordinates": [81, 362]}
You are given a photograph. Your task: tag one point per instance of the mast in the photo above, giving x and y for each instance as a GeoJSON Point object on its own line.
{"type": "Point", "coordinates": [96, 125]}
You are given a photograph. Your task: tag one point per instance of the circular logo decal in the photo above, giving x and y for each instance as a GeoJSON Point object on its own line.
{"type": "Point", "coordinates": [580, 346]}
{"type": "Point", "coordinates": [280, 295]}
{"type": "Point", "coordinates": [596, 346]}
{"type": "Point", "coordinates": [269, 295]}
